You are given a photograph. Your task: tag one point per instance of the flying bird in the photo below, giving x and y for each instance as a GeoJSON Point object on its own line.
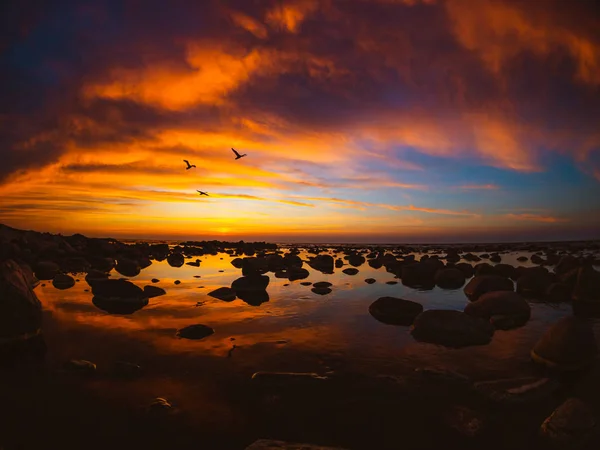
{"type": "Point", "coordinates": [189, 166]}
{"type": "Point", "coordinates": [237, 155]}
{"type": "Point", "coordinates": [202, 193]}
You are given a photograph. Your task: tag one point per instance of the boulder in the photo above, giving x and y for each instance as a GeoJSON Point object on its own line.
{"type": "Point", "coordinates": [290, 260]}
{"type": "Point", "coordinates": [223, 293]}
{"type": "Point", "coordinates": [321, 290]}
{"type": "Point", "coordinates": [153, 291]}
{"type": "Point", "coordinates": [505, 309]}
{"type": "Point", "coordinates": [63, 281]}
{"type": "Point", "coordinates": [451, 328]}
{"type": "Point", "coordinates": [558, 292]}
{"type": "Point", "coordinates": [421, 274]}
{"type": "Point", "coordinates": [466, 269]}
{"type": "Point", "coordinates": [566, 264]}
{"type": "Point", "coordinates": [484, 269]}
{"type": "Point", "coordinates": [322, 263]}
{"type": "Point", "coordinates": [487, 283]}
{"type": "Point", "coordinates": [370, 280]}
{"type": "Point", "coordinates": [339, 263]}
{"type": "Point", "coordinates": [254, 267]}
{"type": "Point", "coordinates": [571, 425]}
{"type": "Point", "coordinates": [395, 311]}
{"type": "Point", "coordinates": [118, 296]}
{"type": "Point", "coordinates": [322, 284]}
{"type": "Point", "coordinates": [356, 260]}
{"type": "Point", "coordinates": [586, 294]}
{"type": "Point", "coordinates": [297, 273]}
{"type": "Point", "coordinates": [376, 263]}
{"type": "Point", "coordinates": [102, 264]}
{"type": "Point", "coordinates": [252, 283]}
{"type": "Point", "coordinates": [128, 267]}
{"type": "Point", "coordinates": [175, 260]}
{"type": "Point", "coordinates": [237, 263]}
{"type": "Point", "coordinates": [567, 345]}
{"type": "Point", "coordinates": [350, 271]}
{"type": "Point", "coordinates": [46, 270]}
{"type": "Point", "coordinates": [94, 276]}
{"type": "Point", "coordinates": [450, 278]}
{"type": "Point", "coordinates": [534, 283]}
{"type": "Point", "coordinates": [20, 309]}
{"type": "Point", "coordinates": [505, 270]}
{"type": "Point", "coordinates": [195, 332]}
{"type": "Point", "coordinates": [81, 367]}
{"type": "Point", "coordinates": [522, 258]}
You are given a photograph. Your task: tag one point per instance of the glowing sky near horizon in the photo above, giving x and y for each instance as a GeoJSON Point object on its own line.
{"type": "Point", "coordinates": [382, 120]}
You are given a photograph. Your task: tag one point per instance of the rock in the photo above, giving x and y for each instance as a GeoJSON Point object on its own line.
{"type": "Point", "coordinates": [505, 270]}
{"type": "Point", "coordinates": [322, 263]}
{"type": "Point", "coordinates": [451, 328]}
{"type": "Point", "coordinates": [193, 263]}
{"type": "Point", "coordinates": [176, 282]}
{"type": "Point", "coordinates": [252, 283]}
{"type": "Point", "coordinates": [28, 274]}
{"type": "Point", "coordinates": [504, 309]}
{"type": "Point", "coordinates": [391, 282]}
{"type": "Point", "coordinates": [20, 309]}
{"type": "Point", "coordinates": [375, 263]}
{"type": "Point", "coordinates": [253, 298]}
{"type": "Point", "coordinates": [487, 283]}
{"type": "Point", "coordinates": [144, 262]}
{"type": "Point", "coordinates": [421, 274]}
{"type": "Point", "coordinates": [254, 267]}
{"type": "Point", "coordinates": [586, 294]}
{"type": "Point", "coordinates": [118, 296]}
{"type": "Point", "coordinates": [566, 264]}
{"type": "Point", "coordinates": [128, 267]}
{"type": "Point", "coordinates": [339, 263]}
{"type": "Point", "coordinates": [350, 271]}
{"type": "Point", "coordinates": [522, 258]}
{"type": "Point", "coordinates": [571, 425]}
{"type": "Point", "coordinates": [322, 284]}
{"type": "Point", "coordinates": [80, 366]}
{"type": "Point", "coordinates": [290, 261]}
{"type": "Point", "coordinates": [567, 345]}
{"type": "Point", "coordinates": [464, 420]}
{"type": "Point", "coordinates": [297, 273]}
{"type": "Point", "coordinates": [155, 280]}
{"type": "Point", "coordinates": [356, 260]}
{"type": "Point", "coordinates": [175, 260]}
{"type": "Point", "coordinates": [63, 281]}
{"type": "Point", "coordinates": [94, 276]}
{"type": "Point", "coordinates": [223, 293]}
{"type": "Point", "coordinates": [306, 283]}
{"type": "Point", "coordinates": [495, 258]}
{"type": "Point", "coordinates": [268, 444]}
{"type": "Point", "coordinates": [195, 332]}
{"type": "Point", "coordinates": [125, 369]}
{"type": "Point", "coordinates": [450, 278]}
{"type": "Point", "coordinates": [466, 269]}
{"type": "Point", "coordinates": [160, 406]}
{"type": "Point", "coordinates": [154, 291]}
{"type": "Point", "coordinates": [237, 263]}
{"type": "Point", "coordinates": [102, 264]}
{"type": "Point", "coordinates": [517, 390]}
{"type": "Point", "coordinates": [395, 311]}
{"type": "Point", "coordinates": [558, 292]}
{"type": "Point", "coordinates": [484, 269]}
{"type": "Point", "coordinates": [370, 280]}
{"type": "Point", "coordinates": [46, 270]}
{"type": "Point", "coordinates": [534, 284]}
{"type": "Point", "coordinates": [321, 290]}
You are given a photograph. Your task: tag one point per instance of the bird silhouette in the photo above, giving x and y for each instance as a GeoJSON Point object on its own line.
{"type": "Point", "coordinates": [237, 155]}
{"type": "Point", "coordinates": [202, 193]}
{"type": "Point", "coordinates": [189, 166]}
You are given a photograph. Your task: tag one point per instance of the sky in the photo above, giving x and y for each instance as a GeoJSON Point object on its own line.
{"type": "Point", "coordinates": [363, 121]}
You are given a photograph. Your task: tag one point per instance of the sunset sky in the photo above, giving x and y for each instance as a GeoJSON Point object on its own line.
{"type": "Point", "coordinates": [363, 120]}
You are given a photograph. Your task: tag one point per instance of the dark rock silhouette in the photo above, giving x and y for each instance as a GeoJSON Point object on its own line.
{"type": "Point", "coordinates": [395, 311]}
{"type": "Point", "coordinates": [350, 271]}
{"type": "Point", "coordinates": [322, 263]}
{"type": "Point", "coordinates": [505, 309]}
{"type": "Point", "coordinates": [450, 278]}
{"type": "Point", "coordinates": [487, 283]}
{"type": "Point", "coordinates": [118, 296]}
{"type": "Point", "coordinates": [223, 293]}
{"type": "Point", "coordinates": [154, 291]}
{"type": "Point", "coordinates": [128, 267]}
{"type": "Point", "coordinates": [175, 259]}
{"type": "Point", "coordinates": [571, 425]}
{"type": "Point", "coordinates": [63, 281]}
{"type": "Point", "coordinates": [46, 270]}
{"type": "Point", "coordinates": [451, 328]}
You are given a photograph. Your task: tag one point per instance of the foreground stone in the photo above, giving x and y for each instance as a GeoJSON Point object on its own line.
{"type": "Point", "coordinates": [504, 309]}
{"type": "Point", "coordinates": [194, 332]}
{"type": "Point", "coordinates": [63, 281]}
{"type": "Point", "coordinates": [586, 295]}
{"type": "Point", "coordinates": [450, 278]}
{"type": "Point", "coordinates": [268, 444]}
{"type": "Point", "coordinates": [395, 311]}
{"type": "Point", "coordinates": [517, 390]}
{"type": "Point", "coordinates": [451, 328]}
{"type": "Point", "coordinates": [20, 309]}
{"type": "Point", "coordinates": [46, 270]}
{"type": "Point", "coordinates": [487, 283]}
{"type": "Point", "coordinates": [571, 425]}
{"type": "Point", "coordinates": [128, 267]}
{"type": "Point", "coordinates": [154, 291]}
{"type": "Point", "coordinates": [567, 345]}
{"type": "Point", "coordinates": [350, 271]}
{"type": "Point", "coordinates": [223, 293]}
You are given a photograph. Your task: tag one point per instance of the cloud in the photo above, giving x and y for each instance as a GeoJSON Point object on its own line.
{"type": "Point", "coordinates": [536, 218]}
{"type": "Point", "coordinates": [489, 186]}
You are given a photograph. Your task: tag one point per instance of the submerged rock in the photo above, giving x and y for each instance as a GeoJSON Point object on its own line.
{"type": "Point", "coordinates": [20, 309]}
{"type": "Point", "coordinates": [505, 309]}
{"type": "Point", "coordinates": [128, 267]}
{"type": "Point", "coordinates": [451, 328]}
{"type": "Point", "coordinates": [63, 281]}
{"type": "Point", "coordinates": [487, 283]}
{"type": "Point", "coordinates": [118, 296]}
{"type": "Point", "coordinates": [395, 311]}
{"type": "Point", "coordinates": [252, 283]}
{"type": "Point", "coordinates": [223, 293]}
{"type": "Point", "coordinates": [321, 290]}
{"type": "Point", "coordinates": [571, 425]}
{"type": "Point", "coordinates": [350, 271]}
{"type": "Point", "coordinates": [297, 273]}
{"type": "Point", "coordinates": [194, 332]}
{"type": "Point", "coordinates": [567, 345]}
{"type": "Point", "coordinates": [322, 284]}
{"type": "Point", "coordinates": [80, 366]}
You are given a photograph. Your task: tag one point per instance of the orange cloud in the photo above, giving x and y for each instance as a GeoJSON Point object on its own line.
{"type": "Point", "coordinates": [479, 186]}
{"type": "Point", "coordinates": [290, 15]}
{"type": "Point", "coordinates": [535, 218]}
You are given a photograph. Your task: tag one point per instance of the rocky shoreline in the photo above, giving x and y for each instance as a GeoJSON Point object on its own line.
{"type": "Point", "coordinates": [499, 294]}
